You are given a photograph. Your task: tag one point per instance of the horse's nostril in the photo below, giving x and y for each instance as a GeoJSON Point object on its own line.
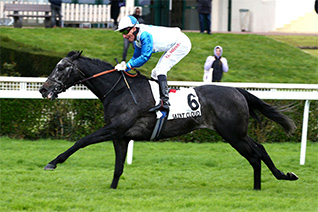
{"type": "Point", "coordinates": [42, 90]}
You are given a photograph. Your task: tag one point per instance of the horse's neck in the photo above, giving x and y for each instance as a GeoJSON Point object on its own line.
{"type": "Point", "coordinates": [98, 85]}
{"type": "Point", "coordinates": [94, 89]}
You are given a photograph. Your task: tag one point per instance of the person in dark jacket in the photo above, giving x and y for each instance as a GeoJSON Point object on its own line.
{"type": "Point", "coordinates": [114, 11]}
{"type": "Point", "coordinates": [56, 10]}
{"type": "Point", "coordinates": [316, 6]}
{"type": "Point", "coordinates": [204, 9]}
{"type": "Point", "coordinates": [215, 64]}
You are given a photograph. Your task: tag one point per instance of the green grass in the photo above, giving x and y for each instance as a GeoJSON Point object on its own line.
{"type": "Point", "coordinates": [169, 176]}
{"type": "Point", "coordinates": [252, 58]}
{"type": "Point", "coordinates": [312, 51]}
{"type": "Point", "coordinates": [296, 40]}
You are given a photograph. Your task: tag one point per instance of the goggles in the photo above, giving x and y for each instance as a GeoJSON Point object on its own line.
{"type": "Point", "coordinates": [127, 30]}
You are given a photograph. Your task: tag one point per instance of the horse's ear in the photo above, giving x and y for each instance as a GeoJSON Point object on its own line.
{"type": "Point", "coordinates": [76, 55]}
{"type": "Point", "coordinates": [70, 54]}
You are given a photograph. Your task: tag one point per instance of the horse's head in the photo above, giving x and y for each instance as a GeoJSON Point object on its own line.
{"type": "Point", "coordinates": [62, 77]}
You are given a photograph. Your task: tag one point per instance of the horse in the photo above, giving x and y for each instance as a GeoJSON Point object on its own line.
{"type": "Point", "coordinates": [225, 110]}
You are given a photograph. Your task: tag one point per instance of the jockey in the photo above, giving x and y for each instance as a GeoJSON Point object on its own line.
{"type": "Point", "coordinates": [150, 39]}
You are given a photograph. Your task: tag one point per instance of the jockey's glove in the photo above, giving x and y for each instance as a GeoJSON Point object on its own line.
{"type": "Point", "coordinates": [121, 66]}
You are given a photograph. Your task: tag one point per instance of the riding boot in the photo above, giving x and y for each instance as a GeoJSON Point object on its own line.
{"type": "Point", "coordinates": [164, 95]}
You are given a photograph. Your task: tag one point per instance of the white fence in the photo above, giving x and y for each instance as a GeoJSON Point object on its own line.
{"type": "Point", "coordinates": [79, 13]}
{"type": "Point", "coordinates": [26, 87]}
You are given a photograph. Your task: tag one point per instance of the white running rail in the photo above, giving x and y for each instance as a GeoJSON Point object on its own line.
{"type": "Point", "coordinates": [27, 87]}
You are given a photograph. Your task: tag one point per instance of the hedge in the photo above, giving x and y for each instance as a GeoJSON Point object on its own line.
{"type": "Point", "coordinates": [25, 58]}
{"type": "Point", "coordinates": [62, 119]}
{"type": "Point", "coordinates": [73, 119]}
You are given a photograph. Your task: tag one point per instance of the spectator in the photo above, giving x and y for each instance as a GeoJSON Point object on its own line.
{"type": "Point", "coordinates": [204, 9]}
{"type": "Point", "coordinates": [56, 10]}
{"type": "Point", "coordinates": [126, 41]}
{"type": "Point", "coordinates": [115, 10]}
{"type": "Point", "coordinates": [316, 6]}
{"type": "Point", "coordinates": [215, 66]}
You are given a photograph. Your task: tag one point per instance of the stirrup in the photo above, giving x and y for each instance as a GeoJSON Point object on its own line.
{"type": "Point", "coordinates": [159, 125]}
{"type": "Point", "coordinates": [160, 106]}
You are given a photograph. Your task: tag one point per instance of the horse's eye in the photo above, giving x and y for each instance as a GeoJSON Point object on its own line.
{"type": "Point", "coordinates": [60, 68]}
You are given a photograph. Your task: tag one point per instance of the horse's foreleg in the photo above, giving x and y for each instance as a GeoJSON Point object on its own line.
{"type": "Point", "coordinates": [255, 161]}
{"type": "Point", "coordinates": [257, 167]}
{"type": "Point", "coordinates": [252, 156]}
{"type": "Point", "coordinates": [100, 135]}
{"type": "Point", "coordinates": [121, 152]}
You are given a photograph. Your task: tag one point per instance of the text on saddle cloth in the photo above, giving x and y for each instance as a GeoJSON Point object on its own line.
{"type": "Point", "coordinates": [184, 103]}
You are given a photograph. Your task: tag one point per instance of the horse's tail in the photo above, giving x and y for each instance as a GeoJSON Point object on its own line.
{"type": "Point", "coordinates": [269, 111]}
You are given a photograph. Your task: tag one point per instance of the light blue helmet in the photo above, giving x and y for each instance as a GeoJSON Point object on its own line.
{"type": "Point", "coordinates": [126, 22]}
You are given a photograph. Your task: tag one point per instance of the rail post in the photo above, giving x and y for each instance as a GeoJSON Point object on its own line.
{"type": "Point", "coordinates": [304, 133]}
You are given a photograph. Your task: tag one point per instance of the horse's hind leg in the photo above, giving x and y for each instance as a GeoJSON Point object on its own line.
{"type": "Point", "coordinates": [269, 163]}
{"type": "Point", "coordinates": [121, 152]}
{"type": "Point", "coordinates": [255, 153]}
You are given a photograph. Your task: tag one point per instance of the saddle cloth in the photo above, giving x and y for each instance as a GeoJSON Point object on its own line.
{"type": "Point", "coordinates": [184, 103]}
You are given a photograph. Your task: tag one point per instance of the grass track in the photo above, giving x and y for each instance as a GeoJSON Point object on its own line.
{"type": "Point", "coordinates": [169, 176]}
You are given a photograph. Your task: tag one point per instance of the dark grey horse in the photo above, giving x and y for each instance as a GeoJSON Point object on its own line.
{"type": "Point", "coordinates": [225, 110]}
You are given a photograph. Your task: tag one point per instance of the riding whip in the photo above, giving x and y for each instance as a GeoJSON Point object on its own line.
{"type": "Point", "coordinates": [131, 93]}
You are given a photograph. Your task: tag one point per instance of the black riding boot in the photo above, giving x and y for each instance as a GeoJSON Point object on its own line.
{"type": "Point", "coordinates": [164, 95]}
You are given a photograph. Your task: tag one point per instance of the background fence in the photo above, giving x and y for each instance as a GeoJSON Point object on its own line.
{"type": "Point", "coordinates": [78, 13]}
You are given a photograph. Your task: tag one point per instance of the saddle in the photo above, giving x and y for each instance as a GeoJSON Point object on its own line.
{"type": "Point", "coordinates": [184, 103]}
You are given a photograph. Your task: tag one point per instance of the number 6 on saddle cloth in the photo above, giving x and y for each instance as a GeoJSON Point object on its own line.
{"type": "Point", "coordinates": [184, 103]}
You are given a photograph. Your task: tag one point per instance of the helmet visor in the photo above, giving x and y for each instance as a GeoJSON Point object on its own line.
{"type": "Point", "coordinates": [125, 31]}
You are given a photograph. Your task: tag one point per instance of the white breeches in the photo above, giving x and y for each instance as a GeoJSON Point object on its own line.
{"type": "Point", "coordinates": [171, 57]}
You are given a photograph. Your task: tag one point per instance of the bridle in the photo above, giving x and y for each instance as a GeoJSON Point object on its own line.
{"type": "Point", "coordinates": [62, 87]}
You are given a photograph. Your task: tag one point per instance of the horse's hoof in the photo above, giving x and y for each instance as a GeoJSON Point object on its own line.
{"type": "Point", "coordinates": [49, 167]}
{"type": "Point", "coordinates": [113, 187]}
{"type": "Point", "coordinates": [292, 176]}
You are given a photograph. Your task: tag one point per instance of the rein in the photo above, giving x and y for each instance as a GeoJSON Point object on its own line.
{"type": "Point", "coordinates": [62, 87]}
{"type": "Point", "coordinates": [116, 83]}
{"type": "Point", "coordinates": [94, 76]}
{"type": "Point", "coordinates": [111, 88]}
{"type": "Point", "coordinates": [100, 74]}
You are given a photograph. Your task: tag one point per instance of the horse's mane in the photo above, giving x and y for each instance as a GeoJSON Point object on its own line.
{"type": "Point", "coordinates": [100, 63]}
{"type": "Point", "coordinates": [94, 61]}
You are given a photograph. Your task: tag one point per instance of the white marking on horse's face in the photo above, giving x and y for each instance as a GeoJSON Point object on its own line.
{"type": "Point", "coordinates": [61, 71]}
{"type": "Point", "coordinates": [60, 62]}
